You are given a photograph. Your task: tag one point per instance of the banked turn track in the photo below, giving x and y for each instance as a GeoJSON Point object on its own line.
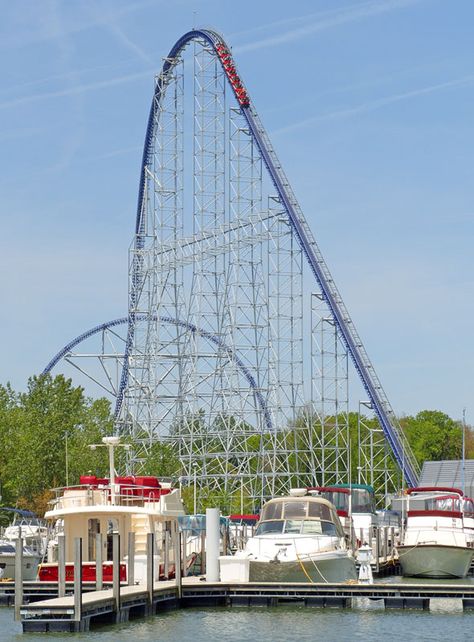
{"type": "Point", "coordinates": [371, 383]}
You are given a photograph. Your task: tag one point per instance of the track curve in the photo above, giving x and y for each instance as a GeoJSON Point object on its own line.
{"type": "Point", "coordinates": [182, 324]}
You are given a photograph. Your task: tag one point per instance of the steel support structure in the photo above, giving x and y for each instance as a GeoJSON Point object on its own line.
{"type": "Point", "coordinates": [227, 355]}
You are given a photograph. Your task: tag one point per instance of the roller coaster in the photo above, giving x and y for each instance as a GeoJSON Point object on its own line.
{"type": "Point", "coordinates": [238, 344]}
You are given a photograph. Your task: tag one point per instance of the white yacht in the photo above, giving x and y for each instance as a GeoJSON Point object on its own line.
{"type": "Point", "coordinates": [299, 539]}
{"type": "Point", "coordinates": [33, 532]}
{"type": "Point", "coordinates": [435, 543]}
{"type": "Point", "coordinates": [30, 561]}
{"type": "Point", "coordinates": [32, 529]}
{"type": "Point", "coordinates": [124, 505]}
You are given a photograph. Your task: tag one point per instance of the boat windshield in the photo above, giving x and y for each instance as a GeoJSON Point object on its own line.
{"type": "Point", "coordinates": [297, 509]}
{"type": "Point", "coordinates": [340, 500]}
{"type": "Point", "coordinates": [468, 508]}
{"type": "Point", "coordinates": [362, 501]}
{"type": "Point", "coordinates": [448, 504]}
{"type": "Point", "coordinates": [300, 527]}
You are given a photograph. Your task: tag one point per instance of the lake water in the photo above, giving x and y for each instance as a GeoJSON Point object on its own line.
{"type": "Point", "coordinates": [368, 621]}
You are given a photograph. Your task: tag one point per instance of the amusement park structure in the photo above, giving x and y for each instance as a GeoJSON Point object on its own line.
{"type": "Point", "coordinates": [237, 345]}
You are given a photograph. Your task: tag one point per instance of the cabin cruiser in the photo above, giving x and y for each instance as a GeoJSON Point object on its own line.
{"type": "Point", "coordinates": [468, 519]}
{"type": "Point", "coordinates": [355, 505]}
{"type": "Point", "coordinates": [124, 505]}
{"type": "Point", "coordinates": [31, 528]}
{"type": "Point", "coordinates": [299, 539]}
{"type": "Point", "coordinates": [33, 532]}
{"type": "Point", "coordinates": [436, 543]}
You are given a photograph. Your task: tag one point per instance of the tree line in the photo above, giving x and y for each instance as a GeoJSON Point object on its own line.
{"type": "Point", "coordinates": [45, 434]}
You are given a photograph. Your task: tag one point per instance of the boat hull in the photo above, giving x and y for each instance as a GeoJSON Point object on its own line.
{"type": "Point", "coordinates": [336, 566]}
{"type": "Point", "coordinates": [435, 560]}
{"type": "Point", "coordinates": [30, 566]}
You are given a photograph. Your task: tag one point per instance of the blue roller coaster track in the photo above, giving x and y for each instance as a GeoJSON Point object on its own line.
{"type": "Point", "coordinates": [190, 327]}
{"type": "Point", "coordinates": [379, 400]}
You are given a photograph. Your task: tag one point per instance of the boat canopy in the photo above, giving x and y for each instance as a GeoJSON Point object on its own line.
{"type": "Point", "coordinates": [300, 515]}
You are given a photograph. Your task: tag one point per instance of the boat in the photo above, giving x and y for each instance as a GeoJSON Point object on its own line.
{"type": "Point", "coordinates": [435, 543]}
{"type": "Point", "coordinates": [30, 561]}
{"type": "Point", "coordinates": [133, 507]}
{"type": "Point", "coordinates": [31, 528]}
{"type": "Point", "coordinates": [299, 538]}
{"type": "Point", "coordinates": [33, 533]}
{"type": "Point", "coordinates": [355, 505]}
{"type": "Point", "coordinates": [468, 521]}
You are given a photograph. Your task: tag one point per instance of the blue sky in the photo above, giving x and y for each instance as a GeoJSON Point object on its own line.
{"type": "Point", "coordinates": [369, 105]}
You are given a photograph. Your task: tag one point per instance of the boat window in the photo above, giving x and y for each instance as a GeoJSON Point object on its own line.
{"type": "Point", "coordinates": [93, 530]}
{"type": "Point", "coordinates": [270, 527]}
{"type": "Point", "coordinates": [319, 510]}
{"type": "Point", "coordinates": [444, 504]}
{"type": "Point", "coordinates": [469, 508]}
{"type": "Point", "coordinates": [295, 509]}
{"type": "Point", "coordinates": [293, 526]}
{"type": "Point", "coordinates": [112, 527]}
{"type": "Point", "coordinates": [329, 528]}
{"type": "Point", "coordinates": [6, 548]}
{"type": "Point", "coordinates": [312, 527]}
{"type": "Point", "coordinates": [272, 511]}
{"type": "Point", "coordinates": [362, 501]}
{"type": "Point", "coordinates": [340, 500]}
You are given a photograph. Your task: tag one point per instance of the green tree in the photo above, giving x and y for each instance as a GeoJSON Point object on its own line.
{"type": "Point", "coordinates": [433, 436]}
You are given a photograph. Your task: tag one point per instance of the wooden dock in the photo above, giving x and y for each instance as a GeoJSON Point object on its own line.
{"type": "Point", "coordinates": [69, 614]}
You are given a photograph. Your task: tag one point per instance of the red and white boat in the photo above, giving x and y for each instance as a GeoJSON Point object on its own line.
{"type": "Point", "coordinates": [124, 505]}
{"type": "Point", "coordinates": [436, 542]}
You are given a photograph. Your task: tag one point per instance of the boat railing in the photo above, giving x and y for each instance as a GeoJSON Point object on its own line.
{"type": "Point", "coordinates": [91, 495]}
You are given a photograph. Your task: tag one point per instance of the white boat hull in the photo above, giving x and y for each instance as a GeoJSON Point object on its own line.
{"type": "Point", "coordinates": [435, 560]}
{"type": "Point", "coordinates": [334, 566]}
{"type": "Point", "coordinates": [30, 566]}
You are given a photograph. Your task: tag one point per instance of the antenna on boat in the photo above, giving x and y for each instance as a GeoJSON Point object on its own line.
{"type": "Point", "coordinates": [463, 464]}
{"type": "Point", "coordinates": [111, 442]}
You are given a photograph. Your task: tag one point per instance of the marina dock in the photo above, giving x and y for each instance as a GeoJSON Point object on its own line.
{"type": "Point", "coordinates": [70, 614]}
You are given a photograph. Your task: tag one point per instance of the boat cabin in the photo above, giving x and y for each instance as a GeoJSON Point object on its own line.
{"type": "Point", "coordinates": [299, 516]}
{"type": "Point", "coordinates": [133, 505]}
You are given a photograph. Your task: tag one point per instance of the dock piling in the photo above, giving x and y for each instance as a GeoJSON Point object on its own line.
{"type": "Point", "coordinates": [78, 579]}
{"type": "Point", "coordinates": [61, 565]}
{"type": "Point", "coordinates": [150, 563]}
{"type": "Point", "coordinates": [99, 571]}
{"type": "Point", "coordinates": [212, 544]}
{"type": "Point", "coordinates": [177, 558]}
{"type": "Point", "coordinates": [116, 570]}
{"type": "Point", "coordinates": [131, 559]}
{"type": "Point", "coordinates": [18, 576]}
{"type": "Point", "coordinates": [166, 547]}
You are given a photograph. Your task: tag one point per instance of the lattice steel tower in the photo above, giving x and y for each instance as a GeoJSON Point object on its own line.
{"type": "Point", "coordinates": [238, 341]}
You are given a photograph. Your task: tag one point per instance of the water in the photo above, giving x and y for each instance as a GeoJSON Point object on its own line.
{"type": "Point", "coordinates": [368, 622]}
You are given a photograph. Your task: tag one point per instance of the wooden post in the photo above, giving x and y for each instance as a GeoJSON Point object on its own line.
{"type": "Point", "coordinates": [377, 549]}
{"type": "Point", "coordinates": [116, 570]}
{"type": "Point", "coordinates": [150, 562]}
{"type": "Point", "coordinates": [184, 539]}
{"type": "Point", "coordinates": [99, 559]}
{"type": "Point", "coordinates": [131, 559]}
{"type": "Point", "coordinates": [203, 552]}
{"type": "Point", "coordinates": [166, 567]}
{"type": "Point", "coordinates": [177, 556]}
{"type": "Point", "coordinates": [18, 577]}
{"type": "Point", "coordinates": [385, 542]}
{"type": "Point", "coordinates": [78, 579]}
{"type": "Point", "coordinates": [225, 544]}
{"type": "Point", "coordinates": [61, 565]}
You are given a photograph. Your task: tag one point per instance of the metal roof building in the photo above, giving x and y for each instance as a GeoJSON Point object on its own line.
{"type": "Point", "coordinates": [449, 473]}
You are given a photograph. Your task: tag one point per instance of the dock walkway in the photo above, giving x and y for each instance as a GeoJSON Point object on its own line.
{"type": "Point", "coordinates": [65, 614]}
